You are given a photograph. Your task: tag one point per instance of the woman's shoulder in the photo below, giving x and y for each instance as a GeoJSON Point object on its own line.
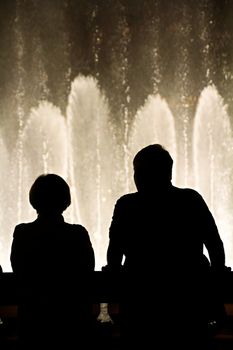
{"type": "Point", "coordinates": [76, 229]}
{"type": "Point", "coordinates": [23, 228]}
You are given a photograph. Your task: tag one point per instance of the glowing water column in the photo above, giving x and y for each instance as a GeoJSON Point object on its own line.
{"type": "Point", "coordinates": [213, 162]}
{"type": "Point", "coordinates": [44, 150]}
{"type": "Point", "coordinates": [154, 123]}
{"type": "Point", "coordinates": [92, 160]}
{"type": "Point", "coordinates": [7, 203]}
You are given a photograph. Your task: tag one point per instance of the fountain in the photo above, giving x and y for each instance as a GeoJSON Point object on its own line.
{"type": "Point", "coordinates": [92, 160]}
{"type": "Point", "coordinates": [82, 148]}
{"type": "Point", "coordinates": [82, 97]}
{"type": "Point", "coordinates": [40, 148]}
{"type": "Point", "coordinates": [213, 162]}
{"type": "Point", "coordinates": [153, 123]}
{"type": "Point", "coordinates": [43, 145]}
{"type": "Point", "coordinates": [5, 198]}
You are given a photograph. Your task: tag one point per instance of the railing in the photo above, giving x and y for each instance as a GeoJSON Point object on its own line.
{"type": "Point", "coordinates": [101, 286]}
{"type": "Point", "coordinates": [105, 287]}
{"type": "Point", "coordinates": [105, 290]}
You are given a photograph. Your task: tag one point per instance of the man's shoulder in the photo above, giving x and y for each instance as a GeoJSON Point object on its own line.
{"type": "Point", "coordinates": [189, 192]}
{"type": "Point", "coordinates": [190, 197]}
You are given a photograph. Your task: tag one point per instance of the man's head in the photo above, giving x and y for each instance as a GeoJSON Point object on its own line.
{"type": "Point", "coordinates": [152, 168]}
{"type": "Point", "coordinates": [50, 194]}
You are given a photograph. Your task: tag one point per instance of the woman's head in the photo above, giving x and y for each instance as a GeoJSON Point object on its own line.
{"type": "Point", "coordinates": [50, 194]}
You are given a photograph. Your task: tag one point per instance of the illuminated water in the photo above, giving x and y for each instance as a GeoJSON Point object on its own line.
{"type": "Point", "coordinates": [92, 160]}
{"type": "Point", "coordinates": [153, 123]}
{"type": "Point", "coordinates": [213, 162]}
{"type": "Point", "coordinates": [80, 97]}
{"type": "Point", "coordinates": [82, 148]}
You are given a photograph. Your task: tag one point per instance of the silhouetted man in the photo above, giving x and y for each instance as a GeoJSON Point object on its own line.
{"type": "Point", "coordinates": [160, 232]}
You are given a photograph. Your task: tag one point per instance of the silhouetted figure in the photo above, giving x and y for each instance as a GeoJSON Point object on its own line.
{"type": "Point", "coordinates": [52, 260]}
{"type": "Point", "coordinates": [157, 237]}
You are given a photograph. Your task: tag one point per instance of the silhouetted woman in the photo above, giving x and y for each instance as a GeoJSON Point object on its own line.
{"type": "Point", "coordinates": [52, 259]}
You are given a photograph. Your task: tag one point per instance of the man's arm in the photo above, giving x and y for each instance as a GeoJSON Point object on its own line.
{"type": "Point", "coordinates": [212, 239]}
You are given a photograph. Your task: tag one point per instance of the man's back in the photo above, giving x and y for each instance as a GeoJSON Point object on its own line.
{"type": "Point", "coordinates": [158, 234]}
{"type": "Point", "coordinates": [166, 292]}
{"type": "Point", "coordinates": [163, 231]}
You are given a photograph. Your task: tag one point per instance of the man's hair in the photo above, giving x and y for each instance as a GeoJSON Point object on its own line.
{"type": "Point", "coordinates": [153, 161]}
{"type": "Point", "coordinates": [50, 193]}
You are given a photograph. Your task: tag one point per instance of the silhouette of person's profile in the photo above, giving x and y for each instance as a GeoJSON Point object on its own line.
{"type": "Point", "coordinates": [50, 259]}
{"type": "Point", "coordinates": [157, 236]}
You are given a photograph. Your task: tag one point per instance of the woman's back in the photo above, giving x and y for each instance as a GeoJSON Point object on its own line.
{"type": "Point", "coordinates": [52, 247]}
{"type": "Point", "coordinates": [52, 261]}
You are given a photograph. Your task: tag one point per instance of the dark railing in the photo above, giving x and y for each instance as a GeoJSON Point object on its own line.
{"type": "Point", "coordinates": [106, 287]}
{"type": "Point", "coordinates": [103, 287]}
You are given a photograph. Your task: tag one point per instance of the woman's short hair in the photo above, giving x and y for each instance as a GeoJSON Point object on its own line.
{"type": "Point", "coordinates": [50, 193]}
